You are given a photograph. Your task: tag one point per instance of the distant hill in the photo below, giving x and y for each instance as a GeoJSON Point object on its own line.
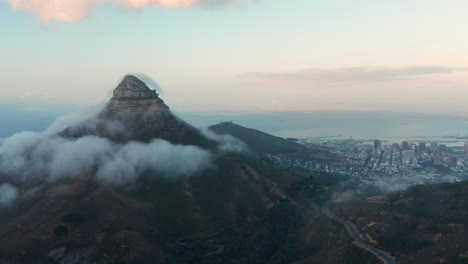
{"type": "Point", "coordinates": [258, 141]}
{"type": "Point", "coordinates": [264, 143]}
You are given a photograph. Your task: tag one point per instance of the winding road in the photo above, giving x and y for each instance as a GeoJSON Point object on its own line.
{"type": "Point", "coordinates": [355, 235]}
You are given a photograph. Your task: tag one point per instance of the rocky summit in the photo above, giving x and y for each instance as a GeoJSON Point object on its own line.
{"type": "Point", "coordinates": [132, 94]}
{"type": "Point", "coordinates": [133, 88]}
{"type": "Point", "coordinates": [135, 112]}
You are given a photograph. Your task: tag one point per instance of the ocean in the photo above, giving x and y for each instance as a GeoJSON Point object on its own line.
{"type": "Point", "coordinates": [393, 127]}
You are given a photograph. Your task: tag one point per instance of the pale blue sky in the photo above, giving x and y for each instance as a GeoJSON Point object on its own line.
{"type": "Point", "coordinates": [288, 55]}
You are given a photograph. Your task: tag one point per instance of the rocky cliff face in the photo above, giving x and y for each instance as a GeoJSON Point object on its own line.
{"type": "Point", "coordinates": [134, 95]}
{"type": "Point", "coordinates": [135, 112]}
{"type": "Point", "coordinates": [132, 87]}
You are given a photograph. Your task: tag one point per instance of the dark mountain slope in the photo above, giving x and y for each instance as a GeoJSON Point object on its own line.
{"type": "Point", "coordinates": [424, 224]}
{"type": "Point", "coordinates": [263, 143]}
{"type": "Point", "coordinates": [85, 220]}
{"type": "Point", "coordinates": [143, 222]}
{"type": "Point", "coordinates": [258, 141]}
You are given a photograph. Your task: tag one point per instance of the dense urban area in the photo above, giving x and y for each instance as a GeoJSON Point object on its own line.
{"type": "Point", "coordinates": [387, 165]}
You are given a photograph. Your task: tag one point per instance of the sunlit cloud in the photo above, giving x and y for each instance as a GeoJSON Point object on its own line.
{"type": "Point", "coordinates": [353, 75]}
{"type": "Point", "coordinates": [74, 10]}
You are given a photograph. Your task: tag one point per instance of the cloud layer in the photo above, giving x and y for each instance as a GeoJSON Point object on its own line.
{"type": "Point", "coordinates": [75, 10]}
{"type": "Point", "coordinates": [356, 74]}
{"type": "Point", "coordinates": [30, 156]}
{"type": "Point", "coordinates": [32, 159]}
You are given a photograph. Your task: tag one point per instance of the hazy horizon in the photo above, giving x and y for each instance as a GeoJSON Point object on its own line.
{"type": "Point", "coordinates": [288, 56]}
{"type": "Point", "coordinates": [357, 124]}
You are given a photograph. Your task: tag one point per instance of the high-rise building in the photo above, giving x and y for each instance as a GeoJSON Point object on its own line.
{"type": "Point", "coordinates": [443, 147]}
{"type": "Point", "coordinates": [377, 144]}
{"type": "Point", "coordinates": [422, 147]}
{"type": "Point", "coordinates": [452, 160]}
{"type": "Point", "coordinates": [405, 145]}
{"type": "Point", "coordinates": [408, 154]}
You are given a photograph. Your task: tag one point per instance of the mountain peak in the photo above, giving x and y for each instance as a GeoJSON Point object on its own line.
{"type": "Point", "coordinates": [131, 78]}
{"type": "Point", "coordinates": [136, 113]}
{"type": "Point", "coordinates": [133, 88]}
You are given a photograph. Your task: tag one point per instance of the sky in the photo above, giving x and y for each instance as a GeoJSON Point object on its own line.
{"type": "Point", "coordinates": [239, 55]}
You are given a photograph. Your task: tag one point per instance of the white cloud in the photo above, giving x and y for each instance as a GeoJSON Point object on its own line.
{"type": "Point", "coordinates": [226, 143]}
{"type": "Point", "coordinates": [75, 10]}
{"type": "Point", "coordinates": [8, 193]}
{"type": "Point", "coordinates": [30, 157]}
{"type": "Point", "coordinates": [34, 158]}
{"type": "Point", "coordinates": [159, 157]}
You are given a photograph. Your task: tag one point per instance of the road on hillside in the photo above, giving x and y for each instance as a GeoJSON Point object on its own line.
{"type": "Point", "coordinates": [355, 235]}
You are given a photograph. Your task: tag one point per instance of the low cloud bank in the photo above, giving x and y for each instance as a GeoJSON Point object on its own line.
{"type": "Point", "coordinates": [226, 143]}
{"type": "Point", "coordinates": [379, 185]}
{"type": "Point", "coordinates": [159, 156]}
{"type": "Point", "coordinates": [37, 158]}
{"type": "Point", "coordinates": [344, 196]}
{"type": "Point", "coordinates": [8, 194]}
{"type": "Point", "coordinates": [74, 118]}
